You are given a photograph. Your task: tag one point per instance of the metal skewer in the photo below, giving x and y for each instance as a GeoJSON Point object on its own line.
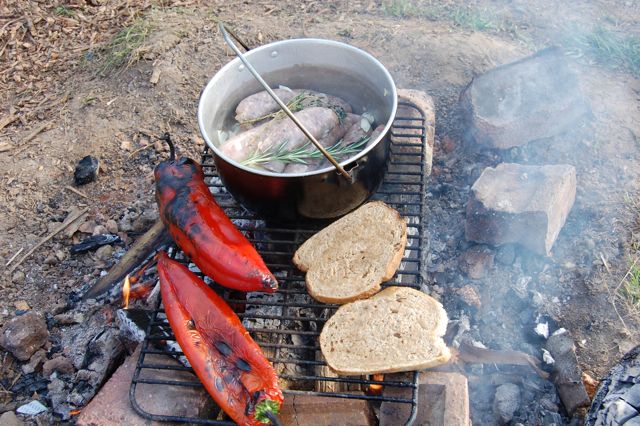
{"type": "Point", "coordinates": [282, 105]}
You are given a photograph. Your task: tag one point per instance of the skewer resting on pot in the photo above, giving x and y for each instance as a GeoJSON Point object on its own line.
{"type": "Point", "coordinates": [282, 105]}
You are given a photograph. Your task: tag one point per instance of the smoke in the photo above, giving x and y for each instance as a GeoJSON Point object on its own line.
{"type": "Point", "coordinates": [575, 285]}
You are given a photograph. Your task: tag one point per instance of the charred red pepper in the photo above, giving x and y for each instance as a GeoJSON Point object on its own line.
{"type": "Point", "coordinates": [225, 358]}
{"type": "Point", "coordinates": [203, 231]}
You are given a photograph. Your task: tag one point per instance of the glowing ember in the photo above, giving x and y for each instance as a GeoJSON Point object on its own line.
{"type": "Point", "coordinates": [126, 289]}
{"type": "Point", "coordinates": [375, 389]}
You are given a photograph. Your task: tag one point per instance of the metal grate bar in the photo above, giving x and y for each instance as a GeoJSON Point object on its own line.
{"type": "Point", "coordinates": [287, 324]}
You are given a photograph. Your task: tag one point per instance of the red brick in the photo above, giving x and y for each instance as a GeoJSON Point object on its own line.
{"type": "Point", "coordinates": [308, 410]}
{"type": "Point", "coordinates": [443, 399]}
{"type": "Point", "coordinates": [111, 405]}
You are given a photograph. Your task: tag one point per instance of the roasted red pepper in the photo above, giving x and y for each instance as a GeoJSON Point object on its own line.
{"type": "Point", "coordinates": [203, 231]}
{"type": "Point", "coordinates": [225, 358]}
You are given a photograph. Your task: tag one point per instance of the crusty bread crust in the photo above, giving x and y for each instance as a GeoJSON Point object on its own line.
{"type": "Point", "coordinates": [398, 329]}
{"type": "Point", "coordinates": [349, 259]}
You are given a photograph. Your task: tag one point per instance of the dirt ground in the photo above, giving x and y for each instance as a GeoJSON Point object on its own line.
{"type": "Point", "coordinates": [436, 48]}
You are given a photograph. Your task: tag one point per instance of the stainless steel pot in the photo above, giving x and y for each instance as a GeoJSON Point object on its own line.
{"type": "Point", "coordinates": [323, 65]}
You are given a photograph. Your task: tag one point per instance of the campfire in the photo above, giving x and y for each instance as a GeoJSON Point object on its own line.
{"type": "Point", "coordinates": [496, 233]}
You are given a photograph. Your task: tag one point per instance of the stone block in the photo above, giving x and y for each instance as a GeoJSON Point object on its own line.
{"type": "Point", "coordinates": [310, 410]}
{"type": "Point", "coordinates": [515, 203]}
{"type": "Point", "coordinates": [443, 399]}
{"type": "Point", "coordinates": [111, 405]}
{"type": "Point", "coordinates": [536, 97]}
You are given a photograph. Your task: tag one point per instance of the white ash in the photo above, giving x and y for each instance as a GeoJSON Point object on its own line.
{"type": "Point", "coordinates": [547, 358]}
{"type": "Point", "coordinates": [542, 329]}
{"type": "Point", "coordinates": [33, 408]}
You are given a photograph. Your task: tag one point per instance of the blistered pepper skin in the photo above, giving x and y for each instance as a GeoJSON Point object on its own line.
{"type": "Point", "coordinates": [204, 232]}
{"type": "Point", "coordinates": [230, 365]}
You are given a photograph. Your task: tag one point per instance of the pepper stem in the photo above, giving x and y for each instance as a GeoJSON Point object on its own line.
{"type": "Point", "coordinates": [266, 411]}
{"type": "Point", "coordinates": [172, 149]}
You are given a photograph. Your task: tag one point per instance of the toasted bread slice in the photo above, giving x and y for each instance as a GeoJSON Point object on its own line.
{"type": "Point", "coordinates": [398, 329]}
{"type": "Point", "coordinates": [349, 259]}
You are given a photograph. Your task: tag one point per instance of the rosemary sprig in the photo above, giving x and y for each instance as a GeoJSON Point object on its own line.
{"type": "Point", "coordinates": [304, 153]}
{"type": "Point", "coordinates": [298, 103]}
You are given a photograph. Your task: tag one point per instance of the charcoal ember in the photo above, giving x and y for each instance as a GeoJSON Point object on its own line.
{"type": "Point", "coordinates": [506, 402]}
{"type": "Point", "coordinates": [618, 398]}
{"type": "Point", "coordinates": [133, 324]}
{"type": "Point", "coordinates": [86, 170]}
{"type": "Point", "coordinates": [60, 364]}
{"type": "Point", "coordinates": [515, 203]}
{"type": "Point", "coordinates": [58, 396]}
{"type": "Point", "coordinates": [476, 262]}
{"type": "Point", "coordinates": [24, 335]}
{"type": "Point", "coordinates": [29, 383]}
{"type": "Point", "coordinates": [534, 98]}
{"type": "Point", "coordinates": [104, 353]}
{"type": "Point", "coordinates": [35, 362]}
{"type": "Point", "coordinates": [93, 242]}
{"type": "Point", "coordinates": [567, 374]}
{"type": "Point", "coordinates": [469, 295]}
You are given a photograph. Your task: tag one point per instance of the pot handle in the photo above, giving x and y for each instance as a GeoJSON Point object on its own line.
{"type": "Point", "coordinates": [283, 106]}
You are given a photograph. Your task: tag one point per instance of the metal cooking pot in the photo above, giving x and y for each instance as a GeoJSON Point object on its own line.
{"type": "Point", "coordinates": [323, 65]}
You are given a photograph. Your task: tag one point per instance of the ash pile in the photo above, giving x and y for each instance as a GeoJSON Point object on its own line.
{"type": "Point", "coordinates": [509, 227]}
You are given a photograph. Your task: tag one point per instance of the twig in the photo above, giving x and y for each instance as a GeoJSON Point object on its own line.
{"type": "Point", "coordinates": [15, 380]}
{"type": "Point", "coordinates": [34, 133]}
{"type": "Point", "coordinates": [7, 120]}
{"type": "Point", "coordinates": [14, 257]}
{"type": "Point", "coordinates": [77, 191]}
{"type": "Point", "coordinates": [140, 149]}
{"type": "Point", "coordinates": [52, 234]}
{"type": "Point", "coordinates": [605, 263]}
{"type": "Point", "coordinates": [25, 141]}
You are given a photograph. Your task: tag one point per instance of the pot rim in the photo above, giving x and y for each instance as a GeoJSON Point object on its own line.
{"type": "Point", "coordinates": [236, 63]}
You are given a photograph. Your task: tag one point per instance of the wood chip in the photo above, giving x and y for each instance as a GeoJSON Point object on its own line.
{"type": "Point", "coordinates": [7, 120]}
{"type": "Point", "coordinates": [22, 305]}
{"type": "Point", "coordinates": [155, 76]}
{"type": "Point", "coordinates": [474, 355]}
{"type": "Point", "coordinates": [5, 146]}
{"type": "Point", "coordinates": [68, 221]}
{"type": "Point", "coordinates": [76, 191]}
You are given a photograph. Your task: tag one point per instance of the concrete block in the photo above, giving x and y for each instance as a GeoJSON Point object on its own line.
{"type": "Point", "coordinates": [515, 203]}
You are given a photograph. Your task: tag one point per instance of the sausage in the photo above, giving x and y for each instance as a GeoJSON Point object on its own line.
{"type": "Point", "coordinates": [331, 138]}
{"type": "Point", "coordinates": [261, 104]}
{"type": "Point", "coordinates": [319, 121]}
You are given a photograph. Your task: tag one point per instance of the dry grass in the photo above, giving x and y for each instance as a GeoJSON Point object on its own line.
{"type": "Point", "coordinates": [43, 43]}
{"type": "Point", "coordinates": [122, 49]}
{"type": "Point", "coordinates": [608, 48]}
{"type": "Point", "coordinates": [626, 293]}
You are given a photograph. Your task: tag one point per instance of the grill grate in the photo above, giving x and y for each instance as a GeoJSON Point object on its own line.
{"type": "Point", "coordinates": [287, 324]}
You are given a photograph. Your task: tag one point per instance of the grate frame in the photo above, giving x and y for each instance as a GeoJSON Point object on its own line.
{"type": "Point", "coordinates": [274, 320]}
